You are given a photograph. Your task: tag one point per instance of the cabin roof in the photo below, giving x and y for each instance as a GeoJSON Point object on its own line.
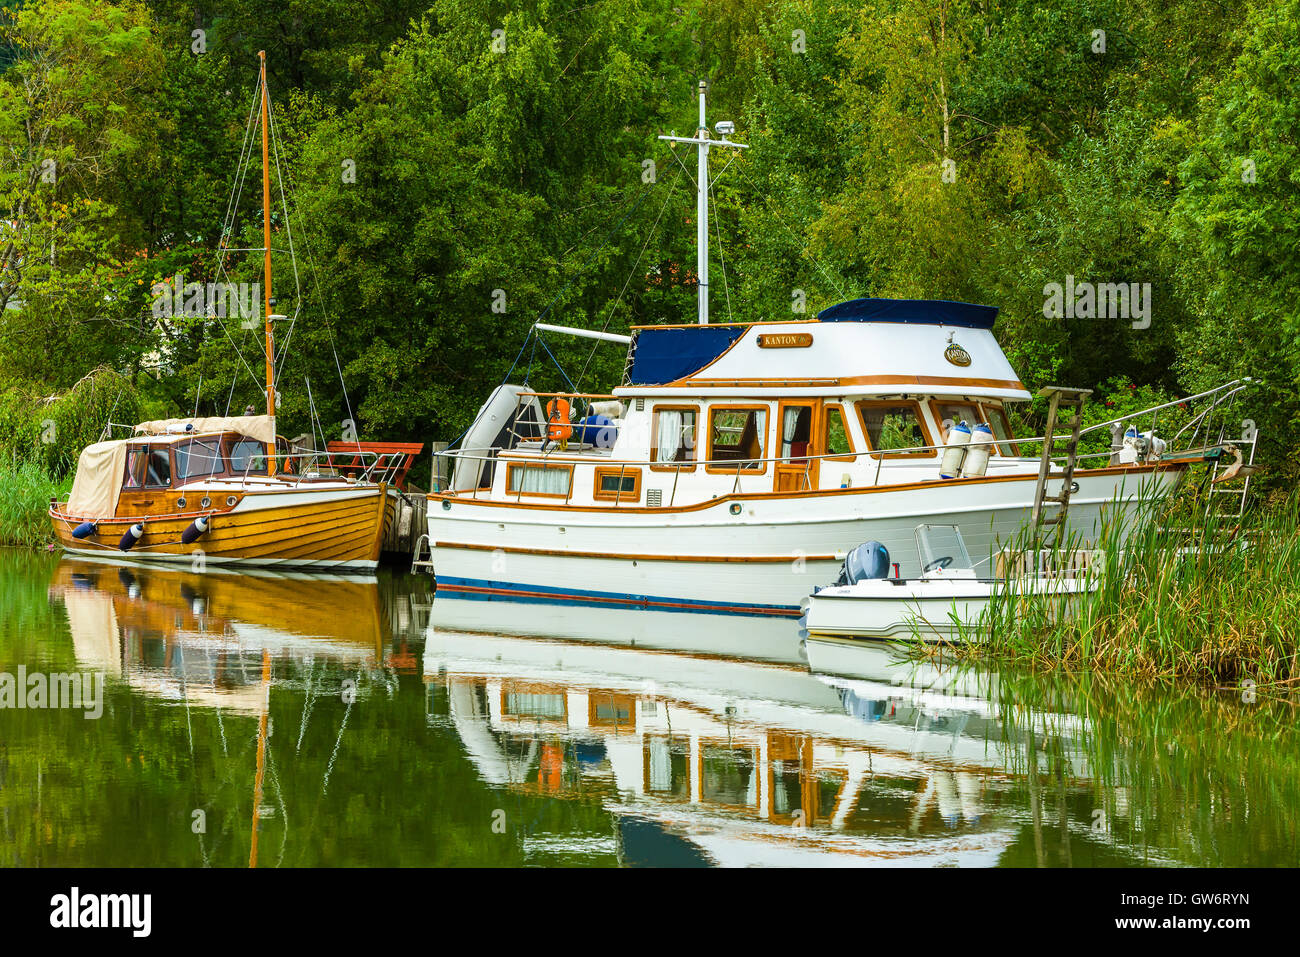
{"type": "Point", "coordinates": [260, 427]}
{"type": "Point", "coordinates": [861, 347]}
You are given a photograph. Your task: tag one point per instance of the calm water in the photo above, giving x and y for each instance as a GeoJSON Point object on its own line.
{"type": "Point", "coordinates": [403, 730]}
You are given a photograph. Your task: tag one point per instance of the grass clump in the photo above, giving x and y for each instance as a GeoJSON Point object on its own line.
{"type": "Point", "coordinates": [25, 493]}
{"type": "Point", "coordinates": [1179, 593]}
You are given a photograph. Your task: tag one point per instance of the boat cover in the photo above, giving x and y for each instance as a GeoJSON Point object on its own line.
{"type": "Point", "coordinates": [260, 427]}
{"type": "Point", "coordinates": [671, 353]}
{"type": "Point", "coordinates": [932, 311]}
{"type": "Point", "coordinates": [99, 480]}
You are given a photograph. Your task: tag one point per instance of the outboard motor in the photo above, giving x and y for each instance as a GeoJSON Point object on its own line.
{"type": "Point", "coordinates": [868, 560]}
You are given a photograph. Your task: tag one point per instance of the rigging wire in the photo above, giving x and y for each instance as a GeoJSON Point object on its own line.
{"type": "Point", "coordinates": [288, 227]}
{"type": "Point", "coordinates": [542, 315]}
{"type": "Point", "coordinates": [649, 236]}
{"type": "Point", "coordinates": [717, 227]}
{"type": "Point", "coordinates": [767, 199]}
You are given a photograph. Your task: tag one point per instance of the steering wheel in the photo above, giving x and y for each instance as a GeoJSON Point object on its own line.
{"type": "Point", "coordinates": [943, 562]}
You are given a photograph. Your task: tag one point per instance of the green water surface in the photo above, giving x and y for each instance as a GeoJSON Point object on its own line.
{"type": "Point", "coordinates": [407, 730]}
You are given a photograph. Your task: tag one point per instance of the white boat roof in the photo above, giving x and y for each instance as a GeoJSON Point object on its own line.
{"type": "Point", "coordinates": [863, 347]}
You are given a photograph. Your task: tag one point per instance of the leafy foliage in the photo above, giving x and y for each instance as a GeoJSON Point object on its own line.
{"type": "Point", "coordinates": [456, 169]}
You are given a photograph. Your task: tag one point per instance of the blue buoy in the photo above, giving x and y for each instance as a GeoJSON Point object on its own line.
{"type": "Point", "coordinates": [85, 530]}
{"type": "Point", "coordinates": [197, 529]}
{"type": "Point", "coordinates": [130, 537]}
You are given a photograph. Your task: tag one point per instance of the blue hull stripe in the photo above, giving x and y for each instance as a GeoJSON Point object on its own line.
{"type": "Point", "coordinates": [550, 595]}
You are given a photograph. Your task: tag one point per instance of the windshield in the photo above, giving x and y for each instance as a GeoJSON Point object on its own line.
{"type": "Point", "coordinates": [199, 458]}
{"type": "Point", "coordinates": [247, 456]}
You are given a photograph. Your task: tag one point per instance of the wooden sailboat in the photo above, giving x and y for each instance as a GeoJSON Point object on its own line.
{"type": "Point", "coordinates": [226, 490]}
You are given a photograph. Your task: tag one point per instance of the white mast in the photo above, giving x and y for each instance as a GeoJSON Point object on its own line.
{"type": "Point", "coordinates": [702, 142]}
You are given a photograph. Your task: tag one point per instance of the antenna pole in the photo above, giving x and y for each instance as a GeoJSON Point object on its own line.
{"type": "Point", "coordinates": [702, 209]}
{"type": "Point", "coordinates": [702, 141]}
{"type": "Point", "coordinates": [266, 241]}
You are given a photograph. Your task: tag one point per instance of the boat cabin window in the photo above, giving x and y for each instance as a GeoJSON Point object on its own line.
{"type": "Point", "coordinates": [618, 484]}
{"type": "Point", "coordinates": [796, 432]}
{"type": "Point", "coordinates": [997, 420]}
{"type": "Point", "coordinates": [199, 458]}
{"type": "Point", "coordinates": [247, 456]}
{"type": "Point", "coordinates": [148, 468]}
{"type": "Point", "coordinates": [950, 413]}
{"type": "Point", "coordinates": [738, 434]}
{"type": "Point", "coordinates": [674, 435]}
{"type": "Point", "coordinates": [540, 479]}
{"type": "Point", "coordinates": [894, 428]}
{"type": "Point", "coordinates": [836, 440]}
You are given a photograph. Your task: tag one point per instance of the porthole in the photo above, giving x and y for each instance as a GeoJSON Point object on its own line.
{"type": "Point", "coordinates": [735, 508]}
{"type": "Point", "coordinates": [205, 503]}
{"type": "Point", "coordinates": [180, 503]}
{"type": "Point", "coordinates": [231, 500]}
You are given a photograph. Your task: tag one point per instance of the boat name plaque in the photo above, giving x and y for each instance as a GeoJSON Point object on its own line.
{"type": "Point", "coordinates": [789, 340]}
{"type": "Point", "coordinates": [957, 355]}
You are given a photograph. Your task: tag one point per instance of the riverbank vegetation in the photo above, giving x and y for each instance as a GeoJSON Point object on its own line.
{"type": "Point", "coordinates": [459, 166]}
{"type": "Point", "coordinates": [1187, 595]}
{"type": "Point", "coordinates": [25, 493]}
{"type": "Point", "coordinates": [41, 437]}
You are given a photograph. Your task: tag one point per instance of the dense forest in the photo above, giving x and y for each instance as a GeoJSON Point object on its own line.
{"type": "Point", "coordinates": [453, 169]}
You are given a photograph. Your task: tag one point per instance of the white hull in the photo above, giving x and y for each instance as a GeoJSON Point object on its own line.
{"type": "Point", "coordinates": [764, 560]}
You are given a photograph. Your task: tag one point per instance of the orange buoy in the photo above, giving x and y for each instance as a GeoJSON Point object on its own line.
{"type": "Point", "coordinates": [558, 428]}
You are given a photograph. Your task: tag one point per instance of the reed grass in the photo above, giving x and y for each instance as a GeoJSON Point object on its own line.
{"type": "Point", "coordinates": [25, 493]}
{"type": "Point", "coordinates": [1179, 593]}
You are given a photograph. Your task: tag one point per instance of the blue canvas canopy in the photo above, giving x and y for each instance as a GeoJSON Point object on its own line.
{"type": "Point", "coordinates": [931, 311]}
{"type": "Point", "coordinates": [665, 355]}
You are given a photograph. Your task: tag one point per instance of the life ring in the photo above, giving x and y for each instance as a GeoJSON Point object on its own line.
{"type": "Point", "coordinates": [558, 428]}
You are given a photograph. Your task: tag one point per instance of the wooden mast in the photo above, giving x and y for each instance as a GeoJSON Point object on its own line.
{"type": "Point", "coordinates": [266, 242]}
{"type": "Point", "coordinates": [261, 754]}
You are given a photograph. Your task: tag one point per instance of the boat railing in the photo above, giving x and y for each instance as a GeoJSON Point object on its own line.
{"type": "Point", "coordinates": [376, 467]}
{"type": "Point", "coordinates": [901, 457]}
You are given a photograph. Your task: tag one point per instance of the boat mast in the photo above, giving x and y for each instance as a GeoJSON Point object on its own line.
{"type": "Point", "coordinates": [702, 142]}
{"type": "Point", "coordinates": [269, 303]}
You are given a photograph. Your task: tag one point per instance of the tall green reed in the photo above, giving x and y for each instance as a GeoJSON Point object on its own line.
{"type": "Point", "coordinates": [1171, 589]}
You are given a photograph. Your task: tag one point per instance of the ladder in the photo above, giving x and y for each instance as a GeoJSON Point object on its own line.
{"type": "Point", "coordinates": [422, 556]}
{"type": "Point", "coordinates": [1067, 401]}
{"type": "Point", "coordinates": [1232, 511]}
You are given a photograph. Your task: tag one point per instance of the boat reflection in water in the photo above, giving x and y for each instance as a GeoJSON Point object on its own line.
{"type": "Point", "coordinates": [706, 758]}
{"type": "Point", "coordinates": [200, 636]}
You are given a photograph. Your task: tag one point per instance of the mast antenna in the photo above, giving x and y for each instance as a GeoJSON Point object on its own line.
{"type": "Point", "coordinates": [269, 303]}
{"type": "Point", "coordinates": [702, 141]}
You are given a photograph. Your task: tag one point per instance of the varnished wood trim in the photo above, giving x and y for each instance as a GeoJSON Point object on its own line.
{"type": "Point", "coordinates": [654, 436]}
{"type": "Point", "coordinates": [539, 463]}
{"type": "Point", "coordinates": [463, 498]}
{"type": "Point", "coordinates": [904, 382]}
{"type": "Point", "coordinates": [955, 381]}
{"type": "Point", "coordinates": [736, 407]}
{"type": "Point", "coordinates": [378, 544]}
{"type": "Point", "coordinates": [846, 417]}
{"type": "Point", "coordinates": [620, 495]}
{"type": "Point", "coordinates": [889, 403]}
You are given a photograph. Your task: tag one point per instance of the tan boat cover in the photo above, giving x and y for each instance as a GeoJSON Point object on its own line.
{"type": "Point", "coordinates": [260, 427]}
{"type": "Point", "coordinates": [99, 479]}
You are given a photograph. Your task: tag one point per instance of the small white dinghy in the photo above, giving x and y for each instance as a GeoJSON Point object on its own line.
{"type": "Point", "coordinates": [944, 604]}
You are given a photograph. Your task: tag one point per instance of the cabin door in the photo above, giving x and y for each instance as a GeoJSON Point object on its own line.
{"type": "Point", "coordinates": [796, 469]}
